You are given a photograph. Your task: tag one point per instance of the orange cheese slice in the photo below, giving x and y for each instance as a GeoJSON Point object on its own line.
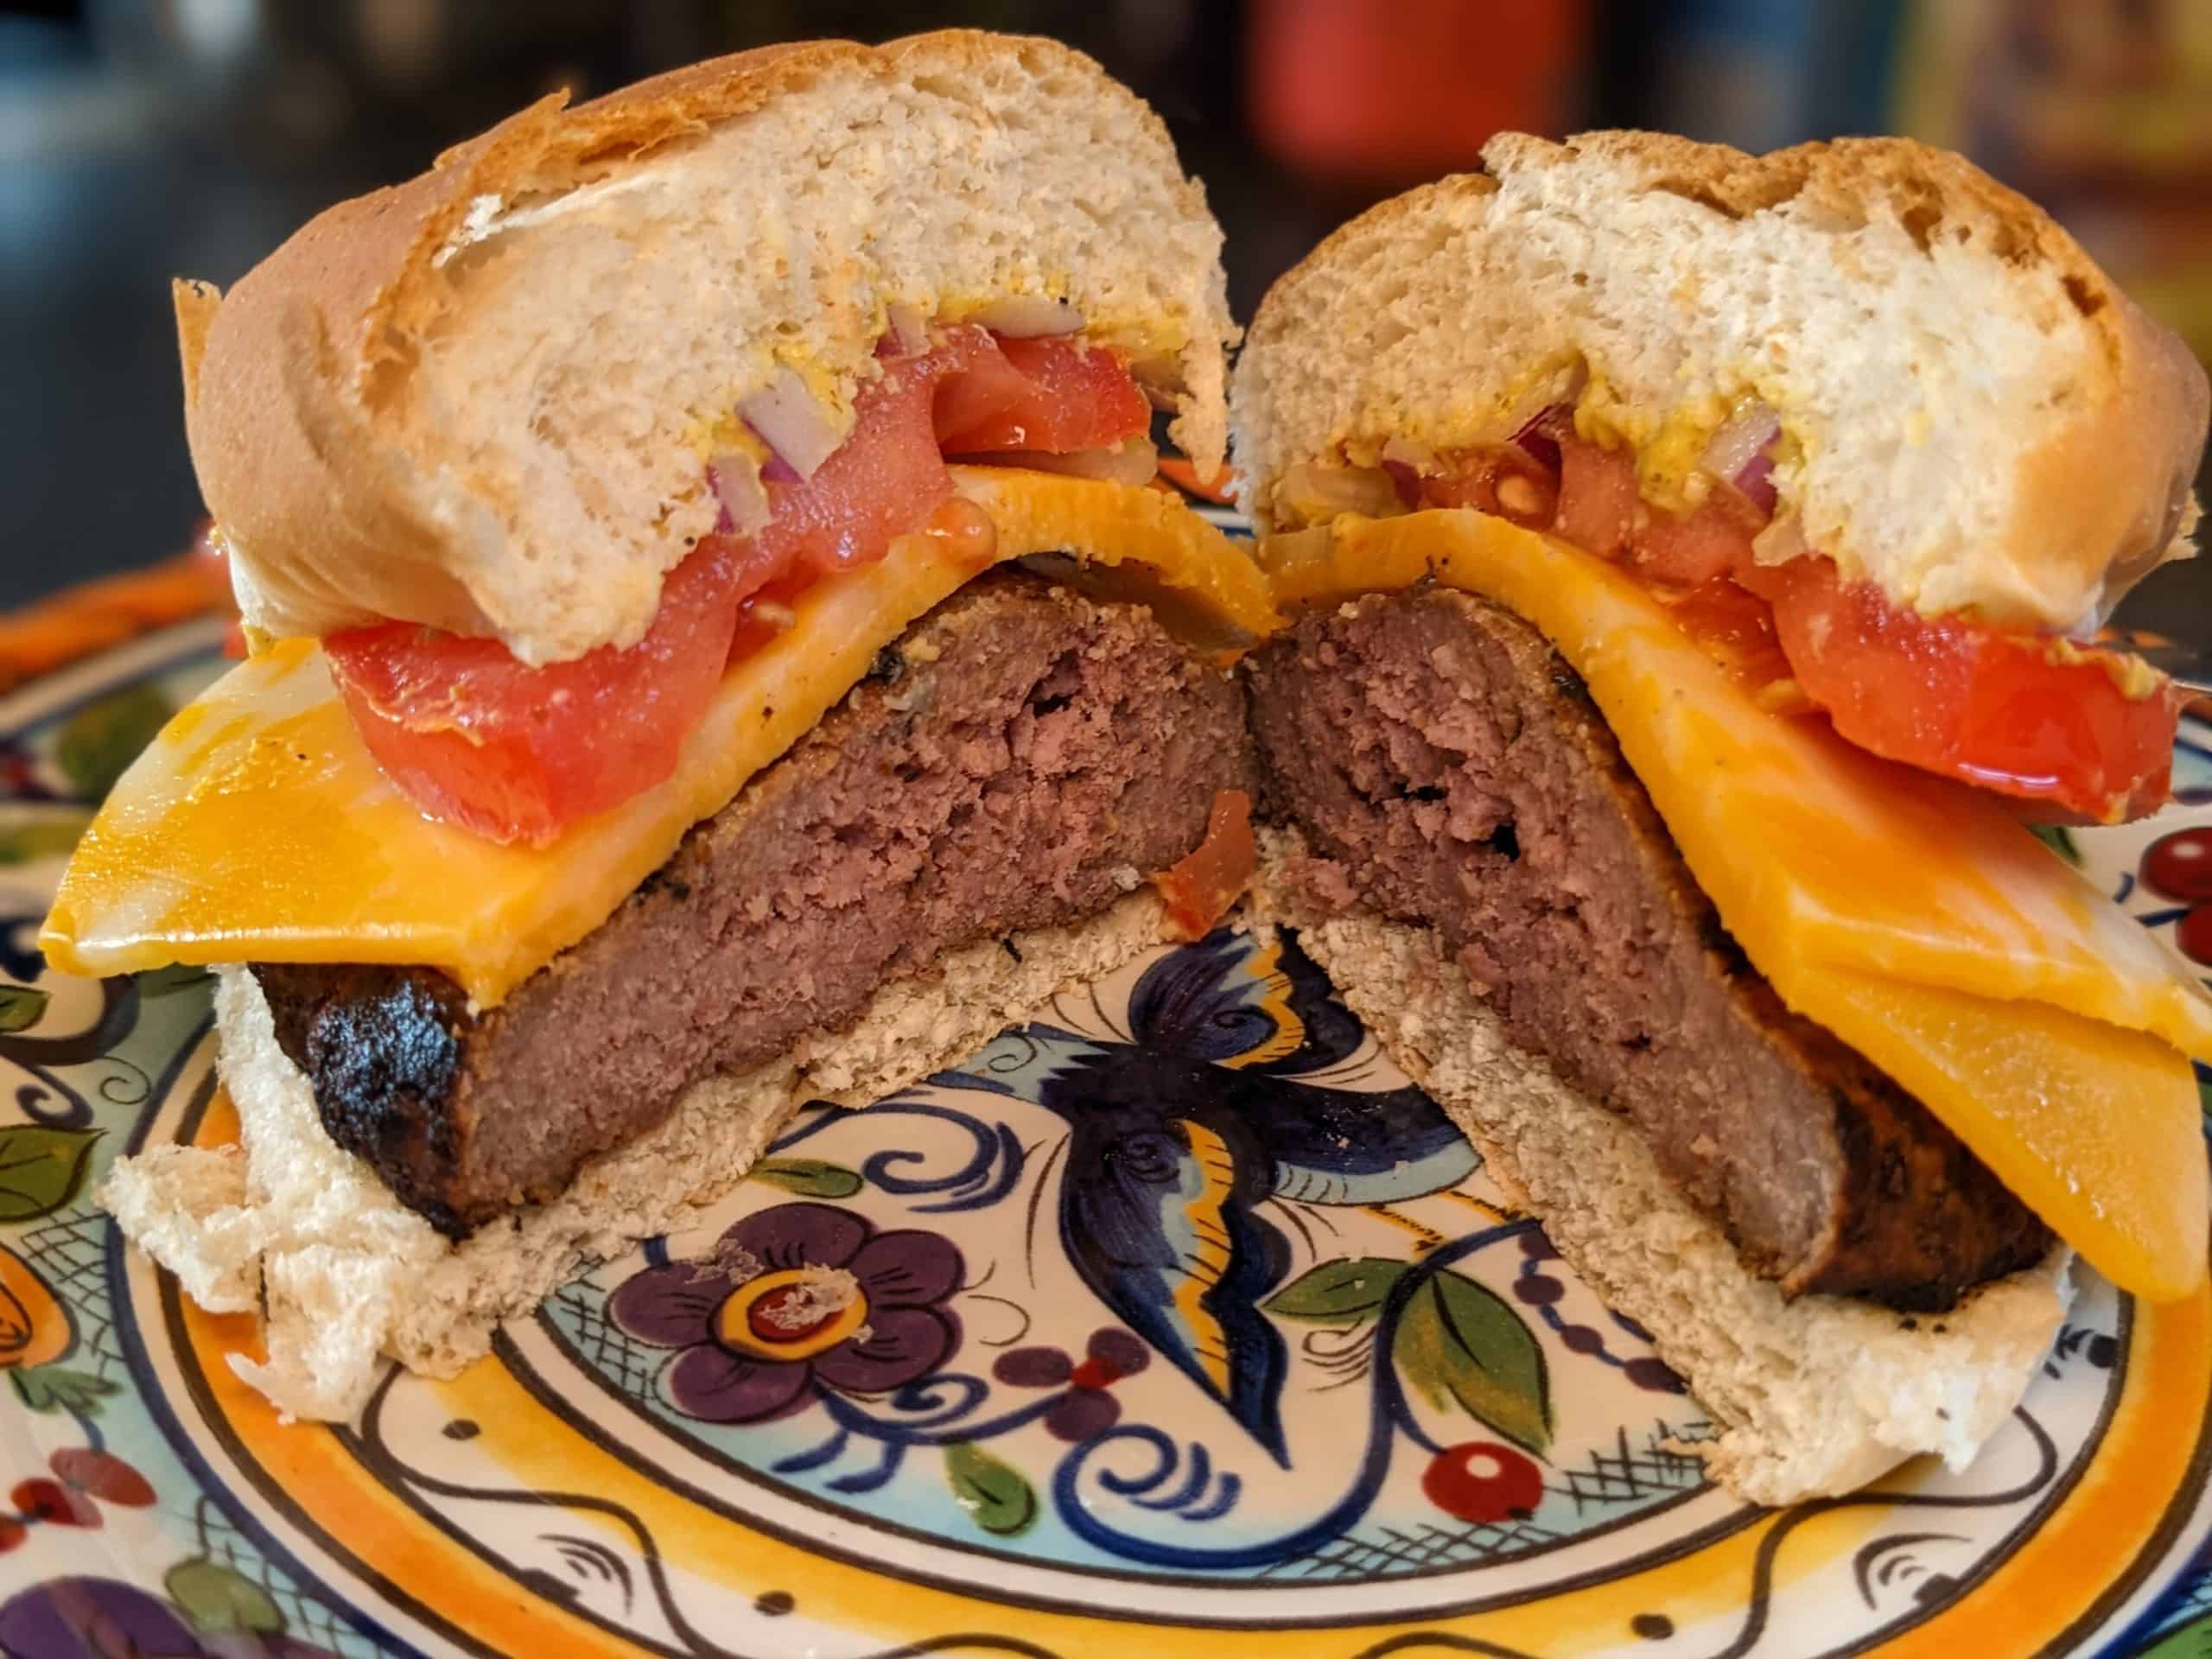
{"type": "Point", "coordinates": [1912, 916]}
{"type": "Point", "coordinates": [257, 827]}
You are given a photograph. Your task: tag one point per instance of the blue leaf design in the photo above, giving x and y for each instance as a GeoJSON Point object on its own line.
{"type": "Point", "coordinates": [1203, 1002]}
{"type": "Point", "coordinates": [1157, 1214]}
{"type": "Point", "coordinates": [1235, 1001]}
{"type": "Point", "coordinates": [1334, 1146]}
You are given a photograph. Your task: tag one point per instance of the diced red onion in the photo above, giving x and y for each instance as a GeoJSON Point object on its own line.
{"type": "Point", "coordinates": [908, 328]}
{"type": "Point", "coordinates": [1028, 317]}
{"type": "Point", "coordinates": [1538, 436]}
{"type": "Point", "coordinates": [736, 479]}
{"type": "Point", "coordinates": [1742, 453]}
{"type": "Point", "coordinates": [1755, 480]}
{"type": "Point", "coordinates": [1134, 461]}
{"type": "Point", "coordinates": [789, 421]}
{"type": "Point", "coordinates": [1407, 479]}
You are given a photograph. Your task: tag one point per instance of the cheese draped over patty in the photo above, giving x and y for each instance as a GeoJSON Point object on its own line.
{"type": "Point", "coordinates": [257, 827]}
{"type": "Point", "coordinates": [1912, 916]}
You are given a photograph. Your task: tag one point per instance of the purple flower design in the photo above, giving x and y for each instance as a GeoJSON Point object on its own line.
{"type": "Point", "coordinates": [791, 1301]}
{"type": "Point", "coordinates": [1085, 1409]}
{"type": "Point", "coordinates": [65, 1618]}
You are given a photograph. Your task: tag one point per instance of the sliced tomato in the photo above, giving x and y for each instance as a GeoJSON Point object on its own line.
{"type": "Point", "coordinates": [1201, 886]}
{"type": "Point", "coordinates": [1057, 395]}
{"type": "Point", "coordinates": [1734, 628]}
{"type": "Point", "coordinates": [518, 754]}
{"type": "Point", "coordinates": [882, 481]}
{"type": "Point", "coordinates": [1598, 498]}
{"type": "Point", "coordinates": [1601, 509]}
{"type": "Point", "coordinates": [1501, 478]}
{"type": "Point", "coordinates": [1997, 710]}
{"type": "Point", "coordinates": [2020, 715]}
{"type": "Point", "coordinates": [1713, 542]}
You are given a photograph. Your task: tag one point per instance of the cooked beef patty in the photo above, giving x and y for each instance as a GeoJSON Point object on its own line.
{"type": "Point", "coordinates": [1448, 768]}
{"type": "Point", "coordinates": [1015, 761]}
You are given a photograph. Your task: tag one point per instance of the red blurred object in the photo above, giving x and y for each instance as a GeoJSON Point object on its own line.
{"type": "Point", "coordinates": [1354, 91]}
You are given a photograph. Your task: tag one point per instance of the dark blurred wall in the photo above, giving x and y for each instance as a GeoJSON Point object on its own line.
{"type": "Point", "coordinates": [141, 139]}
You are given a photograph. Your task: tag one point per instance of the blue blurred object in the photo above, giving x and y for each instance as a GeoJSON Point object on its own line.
{"type": "Point", "coordinates": [1764, 74]}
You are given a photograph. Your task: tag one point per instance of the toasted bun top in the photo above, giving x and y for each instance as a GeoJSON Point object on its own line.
{"type": "Point", "coordinates": [483, 399]}
{"type": "Point", "coordinates": [1973, 416]}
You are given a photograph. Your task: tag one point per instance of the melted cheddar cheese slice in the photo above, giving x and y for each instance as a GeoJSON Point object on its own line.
{"type": "Point", "coordinates": [1912, 916]}
{"type": "Point", "coordinates": [257, 827]}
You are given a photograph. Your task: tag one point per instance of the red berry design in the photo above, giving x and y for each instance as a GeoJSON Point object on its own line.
{"type": "Point", "coordinates": [52, 1503]}
{"type": "Point", "coordinates": [103, 1475]}
{"type": "Point", "coordinates": [2180, 866]}
{"type": "Point", "coordinates": [2193, 934]}
{"type": "Point", "coordinates": [12, 1532]}
{"type": "Point", "coordinates": [1484, 1481]}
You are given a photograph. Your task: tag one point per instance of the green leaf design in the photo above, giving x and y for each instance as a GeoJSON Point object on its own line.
{"type": "Point", "coordinates": [1459, 1341]}
{"type": "Point", "coordinates": [102, 739]}
{"type": "Point", "coordinates": [2059, 839]}
{"type": "Point", "coordinates": [809, 1178]}
{"type": "Point", "coordinates": [41, 1169]}
{"type": "Point", "coordinates": [2192, 1641]}
{"type": "Point", "coordinates": [997, 1496]}
{"type": "Point", "coordinates": [218, 1598]}
{"type": "Point", "coordinates": [55, 1387]}
{"type": "Point", "coordinates": [177, 976]}
{"type": "Point", "coordinates": [41, 837]}
{"type": "Point", "coordinates": [21, 1007]}
{"type": "Point", "coordinates": [1342, 1292]}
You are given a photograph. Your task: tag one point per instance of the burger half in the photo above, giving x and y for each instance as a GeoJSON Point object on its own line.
{"type": "Point", "coordinates": [1696, 555]}
{"type": "Point", "coordinates": [717, 642]}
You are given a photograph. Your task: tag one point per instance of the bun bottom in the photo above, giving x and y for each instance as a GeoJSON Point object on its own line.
{"type": "Point", "coordinates": [1814, 1397]}
{"type": "Point", "coordinates": [345, 1275]}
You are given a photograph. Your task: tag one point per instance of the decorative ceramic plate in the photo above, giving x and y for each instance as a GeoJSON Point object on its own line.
{"type": "Point", "coordinates": [1396, 1425]}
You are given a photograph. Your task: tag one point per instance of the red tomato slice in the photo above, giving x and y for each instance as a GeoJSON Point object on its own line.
{"type": "Point", "coordinates": [1714, 541]}
{"type": "Point", "coordinates": [882, 481]}
{"type": "Point", "coordinates": [1989, 708]}
{"type": "Point", "coordinates": [1735, 628]}
{"type": "Point", "coordinates": [517, 753]}
{"type": "Point", "coordinates": [1598, 498]}
{"type": "Point", "coordinates": [1056, 395]}
{"type": "Point", "coordinates": [1200, 887]}
{"type": "Point", "coordinates": [1503, 479]}
{"type": "Point", "coordinates": [1601, 510]}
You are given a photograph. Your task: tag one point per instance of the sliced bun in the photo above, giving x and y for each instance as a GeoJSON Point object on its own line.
{"type": "Point", "coordinates": [1812, 1397]}
{"type": "Point", "coordinates": [1975, 415]}
{"type": "Point", "coordinates": [483, 399]}
{"type": "Point", "coordinates": [345, 1275]}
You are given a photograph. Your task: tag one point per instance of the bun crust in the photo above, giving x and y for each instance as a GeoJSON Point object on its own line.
{"type": "Point", "coordinates": [1977, 418]}
{"type": "Point", "coordinates": [483, 399]}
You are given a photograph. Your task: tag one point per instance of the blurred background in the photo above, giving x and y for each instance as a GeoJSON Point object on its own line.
{"type": "Point", "coordinates": [141, 139]}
